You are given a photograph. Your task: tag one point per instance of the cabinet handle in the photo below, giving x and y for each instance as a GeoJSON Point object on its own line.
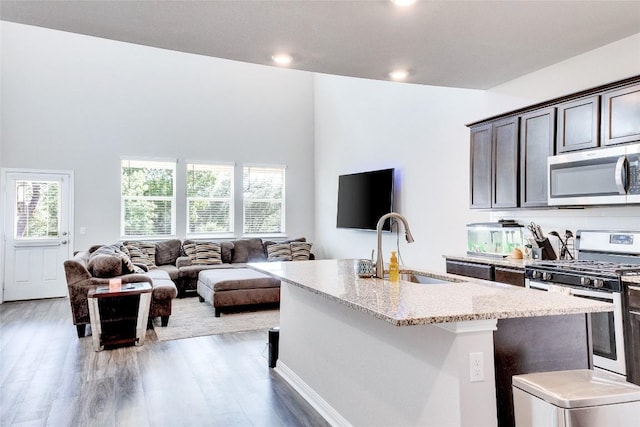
{"type": "Point", "coordinates": [637, 313]}
{"type": "Point", "coordinates": [634, 288]}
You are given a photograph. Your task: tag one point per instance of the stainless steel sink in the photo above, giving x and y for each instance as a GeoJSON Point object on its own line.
{"type": "Point", "coordinates": [422, 278]}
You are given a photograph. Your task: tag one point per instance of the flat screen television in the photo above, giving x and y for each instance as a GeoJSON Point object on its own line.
{"type": "Point", "coordinates": [363, 198]}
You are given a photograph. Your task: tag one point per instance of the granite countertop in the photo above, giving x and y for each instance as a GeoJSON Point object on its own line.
{"type": "Point", "coordinates": [631, 279]}
{"type": "Point", "coordinates": [406, 303]}
{"type": "Point", "coordinates": [504, 262]}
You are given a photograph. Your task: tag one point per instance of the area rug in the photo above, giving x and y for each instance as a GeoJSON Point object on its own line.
{"type": "Point", "coordinates": [191, 318]}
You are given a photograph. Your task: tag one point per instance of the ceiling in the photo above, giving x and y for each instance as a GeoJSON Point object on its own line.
{"type": "Point", "coordinates": [469, 44]}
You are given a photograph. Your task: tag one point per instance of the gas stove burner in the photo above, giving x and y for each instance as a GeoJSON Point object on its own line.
{"type": "Point", "coordinates": [591, 266]}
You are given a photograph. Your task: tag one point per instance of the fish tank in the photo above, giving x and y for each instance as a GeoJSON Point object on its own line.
{"type": "Point", "coordinates": [494, 239]}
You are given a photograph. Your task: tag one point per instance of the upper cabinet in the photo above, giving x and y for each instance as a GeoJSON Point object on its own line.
{"type": "Point", "coordinates": [505, 164]}
{"type": "Point", "coordinates": [537, 130]}
{"type": "Point", "coordinates": [621, 115]}
{"type": "Point", "coordinates": [494, 165]}
{"type": "Point", "coordinates": [480, 171]}
{"type": "Point", "coordinates": [509, 152]}
{"type": "Point", "coordinates": [578, 124]}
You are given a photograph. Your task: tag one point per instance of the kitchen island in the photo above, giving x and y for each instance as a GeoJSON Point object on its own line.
{"type": "Point", "coordinates": [371, 352]}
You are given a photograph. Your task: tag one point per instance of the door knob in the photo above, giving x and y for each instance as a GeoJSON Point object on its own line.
{"type": "Point", "coordinates": [64, 233]}
{"type": "Point", "coordinates": [64, 242]}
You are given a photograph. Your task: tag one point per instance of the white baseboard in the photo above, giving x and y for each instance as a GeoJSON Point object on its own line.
{"type": "Point", "coordinates": [318, 403]}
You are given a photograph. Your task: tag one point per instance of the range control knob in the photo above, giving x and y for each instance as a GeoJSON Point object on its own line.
{"type": "Point", "coordinates": [598, 283]}
{"type": "Point", "coordinates": [535, 274]}
{"type": "Point", "coordinates": [546, 276]}
{"type": "Point", "coordinates": [585, 281]}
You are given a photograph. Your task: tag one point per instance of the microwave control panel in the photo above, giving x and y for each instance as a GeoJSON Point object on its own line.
{"type": "Point", "coordinates": [634, 173]}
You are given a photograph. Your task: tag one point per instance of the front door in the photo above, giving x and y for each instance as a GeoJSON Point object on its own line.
{"type": "Point", "coordinates": [37, 219]}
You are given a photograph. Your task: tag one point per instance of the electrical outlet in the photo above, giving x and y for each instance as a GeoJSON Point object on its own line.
{"type": "Point", "coordinates": [476, 367]}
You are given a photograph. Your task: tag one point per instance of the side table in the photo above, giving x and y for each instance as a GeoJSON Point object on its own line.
{"type": "Point", "coordinates": [119, 316]}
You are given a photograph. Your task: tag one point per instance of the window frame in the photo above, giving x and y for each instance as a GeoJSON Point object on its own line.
{"type": "Point", "coordinates": [170, 162]}
{"type": "Point", "coordinates": [283, 201]}
{"type": "Point", "coordinates": [231, 199]}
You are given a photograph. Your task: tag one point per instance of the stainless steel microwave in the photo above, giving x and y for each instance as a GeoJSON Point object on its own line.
{"type": "Point", "coordinates": [595, 177]}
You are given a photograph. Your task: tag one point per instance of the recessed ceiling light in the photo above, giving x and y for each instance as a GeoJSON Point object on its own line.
{"type": "Point", "coordinates": [399, 74]}
{"type": "Point", "coordinates": [403, 2]}
{"type": "Point", "coordinates": [282, 58]}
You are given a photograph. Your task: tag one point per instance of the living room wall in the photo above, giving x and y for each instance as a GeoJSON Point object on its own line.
{"type": "Point", "coordinates": [74, 102]}
{"type": "Point", "coordinates": [420, 130]}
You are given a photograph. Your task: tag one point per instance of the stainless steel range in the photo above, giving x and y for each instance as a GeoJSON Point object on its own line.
{"type": "Point", "coordinates": [602, 258]}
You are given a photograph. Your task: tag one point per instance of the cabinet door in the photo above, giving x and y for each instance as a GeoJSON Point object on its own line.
{"type": "Point", "coordinates": [621, 115]}
{"type": "Point", "coordinates": [480, 172]}
{"type": "Point", "coordinates": [537, 131]}
{"type": "Point", "coordinates": [632, 333]}
{"type": "Point", "coordinates": [470, 269]}
{"type": "Point", "coordinates": [578, 124]}
{"type": "Point", "coordinates": [510, 276]}
{"type": "Point", "coordinates": [505, 164]}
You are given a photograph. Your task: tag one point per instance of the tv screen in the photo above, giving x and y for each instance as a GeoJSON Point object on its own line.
{"type": "Point", "coordinates": [363, 198]}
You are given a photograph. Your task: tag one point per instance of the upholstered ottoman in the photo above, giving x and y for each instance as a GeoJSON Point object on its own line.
{"type": "Point", "coordinates": [235, 287]}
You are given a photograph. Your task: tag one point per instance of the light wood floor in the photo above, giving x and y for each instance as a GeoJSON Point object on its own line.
{"type": "Point", "coordinates": [50, 377]}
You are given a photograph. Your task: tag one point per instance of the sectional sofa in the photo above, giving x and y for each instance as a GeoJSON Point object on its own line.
{"type": "Point", "coordinates": [173, 268]}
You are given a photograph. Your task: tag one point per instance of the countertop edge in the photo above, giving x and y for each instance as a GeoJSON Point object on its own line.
{"type": "Point", "coordinates": [439, 319]}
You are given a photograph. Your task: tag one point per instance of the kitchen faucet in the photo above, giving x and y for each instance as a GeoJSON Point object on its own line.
{"type": "Point", "coordinates": [407, 232]}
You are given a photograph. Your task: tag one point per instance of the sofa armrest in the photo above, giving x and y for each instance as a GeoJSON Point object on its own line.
{"type": "Point", "coordinates": [183, 261]}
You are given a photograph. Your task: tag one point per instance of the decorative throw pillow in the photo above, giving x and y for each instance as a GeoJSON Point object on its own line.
{"type": "Point", "coordinates": [208, 253]}
{"type": "Point", "coordinates": [145, 254]}
{"type": "Point", "coordinates": [129, 266]}
{"type": "Point", "coordinates": [300, 251]}
{"type": "Point", "coordinates": [189, 248]}
{"type": "Point", "coordinates": [104, 265]}
{"type": "Point", "coordinates": [279, 252]}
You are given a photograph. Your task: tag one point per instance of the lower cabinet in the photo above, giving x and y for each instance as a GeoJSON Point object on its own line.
{"type": "Point", "coordinates": [632, 333]}
{"type": "Point", "coordinates": [470, 269]}
{"type": "Point", "coordinates": [511, 276]}
{"type": "Point", "coordinates": [495, 273]}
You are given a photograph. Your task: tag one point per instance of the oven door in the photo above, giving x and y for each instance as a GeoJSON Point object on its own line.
{"type": "Point", "coordinates": [588, 177]}
{"type": "Point", "coordinates": [606, 328]}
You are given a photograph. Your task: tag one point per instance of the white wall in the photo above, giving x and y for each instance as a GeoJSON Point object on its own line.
{"type": "Point", "coordinates": [418, 130]}
{"type": "Point", "coordinates": [80, 103]}
{"type": "Point", "coordinates": [363, 125]}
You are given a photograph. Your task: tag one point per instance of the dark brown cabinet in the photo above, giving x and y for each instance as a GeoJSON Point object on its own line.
{"type": "Point", "coordinates": [621, 115]}
{"type": "Point", "coordinates": [508, 164]}
{"type": "Point", "coordinates": [632, 332]}
{"type": "Point", "coordinates": [494, 165]}
{"type": "Point", "coordinates": [578, 124]}
{"type": "Point", "coordinates": [537, 139]}
{"type": "Point", "coordinates": [480, 173]}
{"type": "Point", "coordinates": [470, 269]}
{"type": "Point", "coordinates": [511, 276]}
{"type": "Point", "coordinates": [505, 164]}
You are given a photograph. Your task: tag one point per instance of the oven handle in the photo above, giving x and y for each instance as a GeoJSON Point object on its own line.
{"type": "Point", "coordinates": [594, 294]}
{"type": "Point", "coordinates": [621, 174]}
{"type": "Point", "coordinates": [540, 286]}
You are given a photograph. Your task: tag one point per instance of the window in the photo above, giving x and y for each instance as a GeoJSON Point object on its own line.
{"type": "Point", "coordinates": [263, 199]}
{"type": "Point", "coordinates": [37, 209]}
{"type": "Point", "coordinates": [209, 199]}
{"type": "Point", "coordinates": [148, 198]}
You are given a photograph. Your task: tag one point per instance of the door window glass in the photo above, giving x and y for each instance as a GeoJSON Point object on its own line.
{"type": "Point", "coordinates": [37, 210]}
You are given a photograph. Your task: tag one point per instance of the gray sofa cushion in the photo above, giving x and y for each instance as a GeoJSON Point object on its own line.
{"type": "Point", "coordinates": [248, 250]}
{"type": "Point", "coordinates": [167, 251]}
